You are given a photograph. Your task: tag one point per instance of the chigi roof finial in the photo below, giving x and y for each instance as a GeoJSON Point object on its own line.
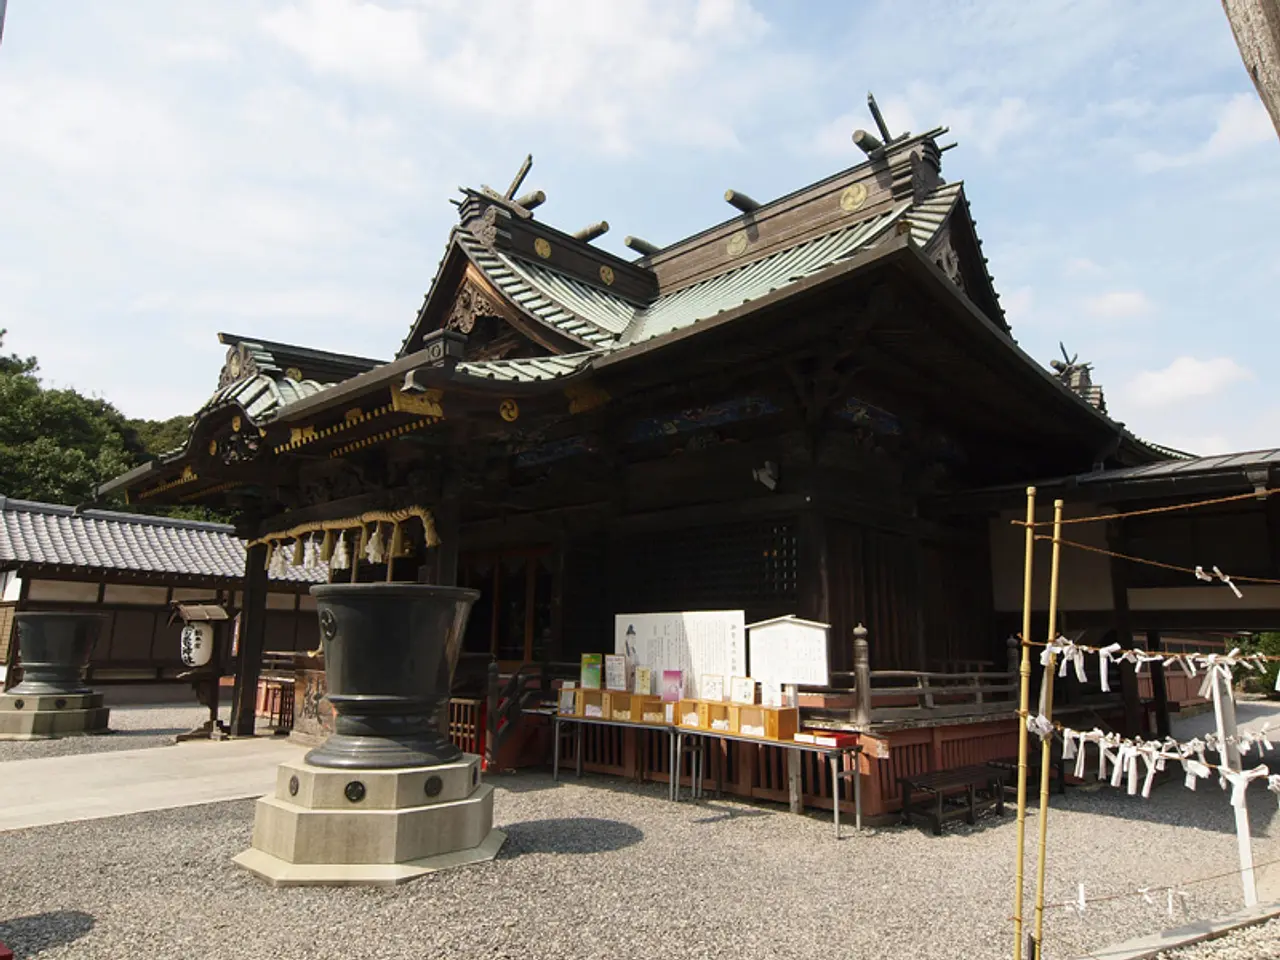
{"type": "Point", "coordinates": [878, 118]}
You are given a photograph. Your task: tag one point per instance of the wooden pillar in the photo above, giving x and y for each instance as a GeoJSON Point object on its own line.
{"type": "Point", "coordinates": [449, 528]}
{"type": "Point", "coordinates": [253, 624]}
{"type": "Point", "coordinates": [1124, 631]}
{"type": "Point", "coordinates": [1158, 688]}
{"type": "Point", "coordinates": [921, 583]}
{"type": "Point", "coordinates": [862, 677]}
{"type": "Point", "coordinates": [813, 600]}
{"type": "Point", "coordinates": [555, 649]}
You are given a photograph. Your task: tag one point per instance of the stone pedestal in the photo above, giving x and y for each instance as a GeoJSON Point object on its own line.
{"type": "Point", "coordinates": [324, 826]}
{"type": "Point", "coordinates": [45, 716]}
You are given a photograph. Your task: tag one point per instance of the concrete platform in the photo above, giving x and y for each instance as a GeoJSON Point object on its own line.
{"type": "Point", "coordinates": [281, 873]}
{"type": "Point", "coordinates": [336, 826]}
{"type": "Point", "coordinates": [1145, 948]}
{"type": "Point", "coordinates": [43, 717]}
{"type": "Point", "coordinates": [89, 786]}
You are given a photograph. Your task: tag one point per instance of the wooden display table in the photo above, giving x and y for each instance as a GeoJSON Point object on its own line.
{"type": "Point", "coordinates": [794, 751]}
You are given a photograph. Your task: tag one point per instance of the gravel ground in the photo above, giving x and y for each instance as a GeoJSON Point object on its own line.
{"type": "Point", "coordinates": [1250, 943]}
{"type": "Point", "coordinates": [600, 868]}
{"type": "Point", "coordinates": [131, 728]}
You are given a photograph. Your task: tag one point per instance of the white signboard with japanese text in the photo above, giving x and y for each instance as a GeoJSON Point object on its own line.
{"type": "Point", "coordinates": [789, 650]}
{"type": "Point", "coordinates": [697, 643]}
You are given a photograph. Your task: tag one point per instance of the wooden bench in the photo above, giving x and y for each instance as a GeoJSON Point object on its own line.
{"type": "Point", "coordinates": [946, 782]}
{"type": "Point", "coordinates": [1057, 771]}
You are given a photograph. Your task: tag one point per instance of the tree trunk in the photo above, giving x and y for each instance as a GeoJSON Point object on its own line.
{"type": "Point", "coordinates": [1256, 25]}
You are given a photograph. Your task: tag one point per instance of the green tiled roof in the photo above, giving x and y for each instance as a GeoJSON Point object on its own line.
{"type": "Point", "coordinates": [605, 320]}
{"type": "Point", "coordinates": [529, 369]}
{"type": "Point", "coordinates": [262, 395]}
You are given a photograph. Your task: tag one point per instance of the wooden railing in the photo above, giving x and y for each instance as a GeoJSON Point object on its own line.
{"type": "Point", "coordinates": [466, 724]}
{"type": "Point", "coordinates": [506, 700]}
{"type": "Point", "coordinates": [886, 696]}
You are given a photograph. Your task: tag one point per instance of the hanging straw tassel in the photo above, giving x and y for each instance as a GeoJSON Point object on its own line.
{"type": "Point", "coordinates": [375, 552]}
{"type": "Point", "coordinates": [297, 553]}
{"type": "Point", "coordinates": [326, 546]}
{"type": "Point", "coordinates": [362, 545]}
{"type": "Point", "coordinates": [397, 542]}
{"type": "Point", "coordinates": [272, 547]}
{"type": "Point", "coordinates": [341, 560]}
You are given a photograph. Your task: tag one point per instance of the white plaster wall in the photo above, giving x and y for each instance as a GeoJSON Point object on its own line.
{"type": "Point", "coordinates": [65, 591]}
{"type": "Point", "coordinates": [10, 586]}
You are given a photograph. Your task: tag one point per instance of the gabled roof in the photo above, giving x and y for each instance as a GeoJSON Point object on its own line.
{"type": "Point", "coordinates": [297, 362]}
{"type": "Point", "coordinates": [52, 535]}
{"type": "Point", "coordinates": [261, 395]}
{"type": "Point", "coordinates": [606, 321]}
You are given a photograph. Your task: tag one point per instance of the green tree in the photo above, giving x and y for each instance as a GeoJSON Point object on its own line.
{"type": "Point", "coordinates": [161, 436]}
{"type": "Point", "coordinates": [1254, 682]}
{"type": "Point", "coordinates": [56, 445]}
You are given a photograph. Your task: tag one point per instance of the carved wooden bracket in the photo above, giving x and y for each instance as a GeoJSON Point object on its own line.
{"type": "Point", "coordinates": [239, 365]}
{"type": "Point", "coordinates": [469, 305]}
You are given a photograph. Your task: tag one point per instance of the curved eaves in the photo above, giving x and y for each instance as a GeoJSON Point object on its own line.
{"type": "Point", "coordinates": [569, 307]}
{"type": "Point", "coordinates": [260, 398]}
{"type": "Point", "coordinates": [530, 369]}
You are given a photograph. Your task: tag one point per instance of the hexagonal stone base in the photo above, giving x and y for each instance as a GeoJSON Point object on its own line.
{"type": "Point", "coordinates": [325, 826]}
{"type": "Point", "coordinates": [281, 873]}
{"type": "Point", "coordinates": [325, 788]}
{"type": "Point", "coordinates": [46, 717]}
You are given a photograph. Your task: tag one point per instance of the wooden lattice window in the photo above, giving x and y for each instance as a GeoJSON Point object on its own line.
{"type": "Point", "coordinates": [749, 566]}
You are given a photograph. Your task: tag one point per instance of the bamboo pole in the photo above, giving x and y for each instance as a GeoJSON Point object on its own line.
{"type": "Point", "coordinates": [1047, 744]}
{"type": "Point", "coordinates": [1023, 699]}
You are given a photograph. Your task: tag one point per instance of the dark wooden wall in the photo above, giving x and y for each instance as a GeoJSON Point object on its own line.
{"type": "Point", "coordinates": [923, 603]}
{"type": "Point", "coordinates": [748, 565]}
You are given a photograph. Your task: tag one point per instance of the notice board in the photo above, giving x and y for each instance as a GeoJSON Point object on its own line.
{"type": "Point", "coordinates": [789, 650]}
{"type": "Point", "coordinates": [697, 643]}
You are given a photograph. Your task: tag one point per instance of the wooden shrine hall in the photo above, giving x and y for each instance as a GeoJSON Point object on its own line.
{"type": "Point", "coordinates": [782, 414]}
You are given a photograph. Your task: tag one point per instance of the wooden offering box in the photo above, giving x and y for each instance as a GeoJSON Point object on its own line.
{"type": "Point", "coordinates": [714, 716]}
{"type": "Point", "coordinates": [593, 704]}
{"type": "Point", "coordinates": [768, 723]}
{"type": "Point", "coordinates": [688, 714]}
{"type": "Point", "coordinates": [646, 708]}
{"type": "Point", "coordinates": [622, 706]}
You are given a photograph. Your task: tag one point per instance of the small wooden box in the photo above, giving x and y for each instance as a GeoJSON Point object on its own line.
{"type": "Point", "coordinates": [646, 708]}
{"type": "Point", "coordinates": [689, 714]}
{"type": "Point", "coordinates": [593, 704]}
{"type": "Point", "coordinates": [768, 723]}
{"type": "Point", "coordinates": [714, 715]}
{"type": "Point", "coordinates": [574, 703]}
{"type": "Point", "coordinates": [622, 706]}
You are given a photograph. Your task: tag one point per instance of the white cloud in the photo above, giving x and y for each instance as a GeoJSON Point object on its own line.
{"type": "Point", "coordinates": [1082, 267]}
{"type": "Point", "coordinates": [1242, 123]}
{"type": "Point", "coordinates": [202, 50]}
{"type": "Point", "coordinates": [363, 41]}
{"type": "Point", "coordinates": [623, 73]}
{"type": "Point", "coordinates": [1118, 304]}
{"type": "Point", "coordinates": [1186, 378]}
{"type": "Point", "coordinates": [1017, 304]}
{"type": "Point", "coordinates": [985, 124]}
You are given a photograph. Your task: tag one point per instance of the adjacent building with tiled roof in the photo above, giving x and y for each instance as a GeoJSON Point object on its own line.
{"type": "Point", "coordinates": [131, 568]}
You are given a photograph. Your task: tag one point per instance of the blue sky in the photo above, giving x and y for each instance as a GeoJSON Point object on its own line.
{"type": "Point", "coordinates": [169, 170]}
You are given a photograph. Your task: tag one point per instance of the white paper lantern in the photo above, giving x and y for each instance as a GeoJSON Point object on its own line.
{"type": "Point", "coordinates": [197, 644]}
